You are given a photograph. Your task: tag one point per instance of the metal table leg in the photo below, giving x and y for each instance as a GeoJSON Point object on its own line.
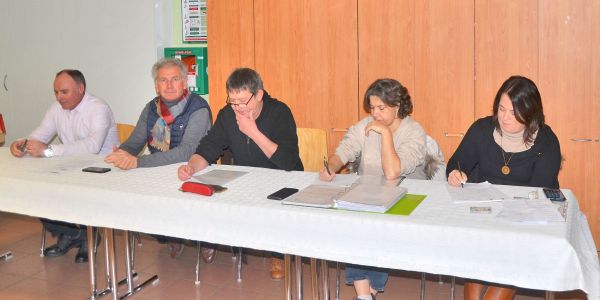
{"type": "Point", "coordinates": [337, 280]}
{"type": "Point", "coordinates": [298, 266]}
{"type": "Point", "coordinates": [325, 279]}
{"type": "Point", "coordinates": [313, 278]}
{"type": "Point", "coordinates": [197, 281]}
{"type": "Point", "coordinates": [287, 259]}
{"type": "Point", "coordinates": [130, 273]}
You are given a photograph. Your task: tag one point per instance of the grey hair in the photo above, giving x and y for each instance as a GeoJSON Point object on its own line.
{"type": "Point", "coordinates": [244, 79]}
{"type": "Point", "coordinates": [169, 62]}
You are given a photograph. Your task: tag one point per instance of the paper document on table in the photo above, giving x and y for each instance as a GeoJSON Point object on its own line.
{"type": "Point", "coordinates": [530, 211]}
{"type": "Point", "coordinates": [316, 196]}
{"type": "Point", "coordinates": [219, 177]}
{"type": "Point", "coordinates": [475, 192]}
{"type": "Point", "coordinates": [373, 198]}
{"type": "Point", "coordinates": [345, 180]}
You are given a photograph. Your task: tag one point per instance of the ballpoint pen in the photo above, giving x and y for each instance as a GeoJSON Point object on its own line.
{"type": "Point", "coordinates": [462, 184]}
{"type": "Point", "coordinates": [22, 148]}
{"type": "Point", "coordinates": [326, 164]}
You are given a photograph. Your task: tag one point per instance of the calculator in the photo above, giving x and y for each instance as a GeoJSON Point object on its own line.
{"type": "Point", "coordinates": [554, 194]}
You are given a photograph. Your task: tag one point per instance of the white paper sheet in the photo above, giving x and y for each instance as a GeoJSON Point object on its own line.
{"type": "Point", "coordinates": [219, 177]}
{"type": "Point", "coordinates": [530, 211]}
{"type": "Point", "coordinates": [475, 192]}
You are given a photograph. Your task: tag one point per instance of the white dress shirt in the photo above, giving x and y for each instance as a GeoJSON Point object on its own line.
{"type": "Point", "coordinates": [88, 128]}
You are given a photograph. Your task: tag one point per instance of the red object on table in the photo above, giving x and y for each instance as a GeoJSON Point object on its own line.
{"type": "Point", "coordinates": [197, 188]}
{"type": "Point", "coordinates": [2, 128]}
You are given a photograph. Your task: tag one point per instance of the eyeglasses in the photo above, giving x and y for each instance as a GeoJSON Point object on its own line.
{"type": "Point", "coordinates": [173, 80]}
{"type": "Point", "coordinates": [239, 105]}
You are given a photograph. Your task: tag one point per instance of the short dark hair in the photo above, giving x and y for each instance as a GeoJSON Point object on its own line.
{"type": "Point", "coordinates": [244, 79]}
{"type": "Point", "coordinates": [75, 74]}
{"type": "Point", "coordinates": [527, 105]}
{"type": "Point", "coordinates": [392, 93]}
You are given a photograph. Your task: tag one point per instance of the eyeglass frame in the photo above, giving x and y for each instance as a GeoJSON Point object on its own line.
{"type": "Point", "coordinates": [240, 105]}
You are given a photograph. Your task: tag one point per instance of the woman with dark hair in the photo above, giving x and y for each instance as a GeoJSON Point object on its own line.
{"type": "Point", "coordinates": [514, 146]}
{"type": "Point", "coordinates": [390, 143]}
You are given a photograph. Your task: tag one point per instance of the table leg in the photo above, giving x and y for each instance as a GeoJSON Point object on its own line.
{"type": "Point", "coordinates": [298, 266]}
{"type": "Point", "coordinates": [112, 266]}
{"type": "Point", "coordinates": [325, 279]}
{"type": "Point", "coordinates": [130, 273]}
{"type": "Point", "coordinates": [313, 278]}
{"type": "Point", "coordinates": [92, 261]}
{"type": "Point", "coordinates": [287, 280]}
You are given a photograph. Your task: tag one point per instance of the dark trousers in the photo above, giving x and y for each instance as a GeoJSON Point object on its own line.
{"type": "Point", "coordinates": [58, 228]}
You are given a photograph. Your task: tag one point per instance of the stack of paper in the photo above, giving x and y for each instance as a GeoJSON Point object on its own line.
{"type": "Point", "coordinates": [373, 198]}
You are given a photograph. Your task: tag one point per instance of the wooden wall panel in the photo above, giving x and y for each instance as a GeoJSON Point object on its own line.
{"type": "Point", "coordinates": [230, 44]}
{"type": "Point", "coordinates": [444, 66]}
{"type": "Point", "coordinates": [306, 52]}
{"type": "Point", "coordinates": [506, 43]}
{"type": "Point", "coordinates": [569, 77]}
{"type": "Point", "coordinates": [385, 44]}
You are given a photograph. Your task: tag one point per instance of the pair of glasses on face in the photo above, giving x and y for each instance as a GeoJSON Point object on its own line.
{"type": "Point", "coordinates": [240, 104]}
{"type": "Point", "coordinates": [172, 80]}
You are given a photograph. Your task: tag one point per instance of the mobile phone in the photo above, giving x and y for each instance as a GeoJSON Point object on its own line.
{"type": "Point", "coordinates": [554, 194]}
{"type": "Point", "coordinates": [282, 194]}
{"type": "Point", "coordinates": [96, 170]}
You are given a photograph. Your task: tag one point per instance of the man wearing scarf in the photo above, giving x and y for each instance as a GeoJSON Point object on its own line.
{"type": "Point", "coordinates": [171, 125]}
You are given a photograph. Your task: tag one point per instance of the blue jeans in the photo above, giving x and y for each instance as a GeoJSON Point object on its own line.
{"type": "Point", "coordinates": [377, 277]}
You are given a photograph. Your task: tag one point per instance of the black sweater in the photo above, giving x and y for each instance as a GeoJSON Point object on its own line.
{"type": "Point", "coordinates": [275, 121]}
{"type": "Point", "coordinates": [481, 158]}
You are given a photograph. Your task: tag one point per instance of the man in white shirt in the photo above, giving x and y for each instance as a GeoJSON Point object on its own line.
{"type": "Point", "coordinates": [85, 125]}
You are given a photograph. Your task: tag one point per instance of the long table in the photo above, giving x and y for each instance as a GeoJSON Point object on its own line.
{"type": "Point", "coordinates": [439, 237]}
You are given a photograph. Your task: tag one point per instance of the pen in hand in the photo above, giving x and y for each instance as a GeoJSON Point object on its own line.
{"type": "Point", "coordinates": [326, 164]}
{"type": "Point", "coordinates": [23, 147]}
{"type": "Point", "coordinates": [462, 184]}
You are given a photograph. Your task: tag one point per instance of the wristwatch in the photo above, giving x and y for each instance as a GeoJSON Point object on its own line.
{"type": "Point", "coordinates": [49, 152]}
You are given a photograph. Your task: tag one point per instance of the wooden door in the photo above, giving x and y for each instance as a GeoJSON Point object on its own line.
{"type": "Point", "coordinates": [506, 44]}
{"type": "Point", "coordinates": [306, 53]}
{"type": "Point", "coordinates": [569, 78]}
{"type": "Point", "coordinates": [444, 65]}
{"type": "Point", "coordinates": [230, 44]}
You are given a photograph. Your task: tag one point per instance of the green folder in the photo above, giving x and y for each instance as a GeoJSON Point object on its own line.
{"type": "Point", "coordinates": [406, 205]}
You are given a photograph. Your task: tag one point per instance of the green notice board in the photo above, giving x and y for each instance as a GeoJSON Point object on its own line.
{"type": "Point", "coordinates": [197, 61]}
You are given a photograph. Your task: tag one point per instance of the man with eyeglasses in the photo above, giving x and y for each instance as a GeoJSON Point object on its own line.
{"type": "Point", "coordinates": [260, 131]}
{"type": "Point", "coordinates": [171, 125]}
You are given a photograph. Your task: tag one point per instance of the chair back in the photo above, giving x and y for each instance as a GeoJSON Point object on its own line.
{"type": "Point", "coordinates": [124, 131]}
{"type": "Point", "coordinates": [312, 143]}
{"type": "Point", "coordinates": [435, 166]}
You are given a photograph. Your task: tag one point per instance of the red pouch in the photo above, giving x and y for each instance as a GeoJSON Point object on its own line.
{"type": "Point", "coordinates": [197, 188]}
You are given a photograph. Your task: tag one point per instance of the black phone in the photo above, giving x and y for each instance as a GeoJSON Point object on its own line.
{"type": "Point", "coordinates": [282, 194]}
{"type": "Point", "coordinates": [96, 170]}
{"type": "Point", "coordinates": [554, 194]}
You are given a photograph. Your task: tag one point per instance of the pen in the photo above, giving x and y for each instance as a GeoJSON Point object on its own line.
{"type": "Point", "coordinates": [462, 184]}
{"type": "Point", "coordinates": [326, 164]}
{"type": "Point", "coordinates": [23, 147]}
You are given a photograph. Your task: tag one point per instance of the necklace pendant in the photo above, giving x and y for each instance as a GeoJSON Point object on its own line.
{"type": "Point", "coordinates": [505, 170]}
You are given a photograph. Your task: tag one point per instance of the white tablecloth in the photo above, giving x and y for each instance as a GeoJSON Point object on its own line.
{"type": "Point", "coordinates": [439, 237]}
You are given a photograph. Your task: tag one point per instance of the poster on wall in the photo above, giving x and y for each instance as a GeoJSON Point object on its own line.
{"type": "Point", "coordinates": [193, 18]}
